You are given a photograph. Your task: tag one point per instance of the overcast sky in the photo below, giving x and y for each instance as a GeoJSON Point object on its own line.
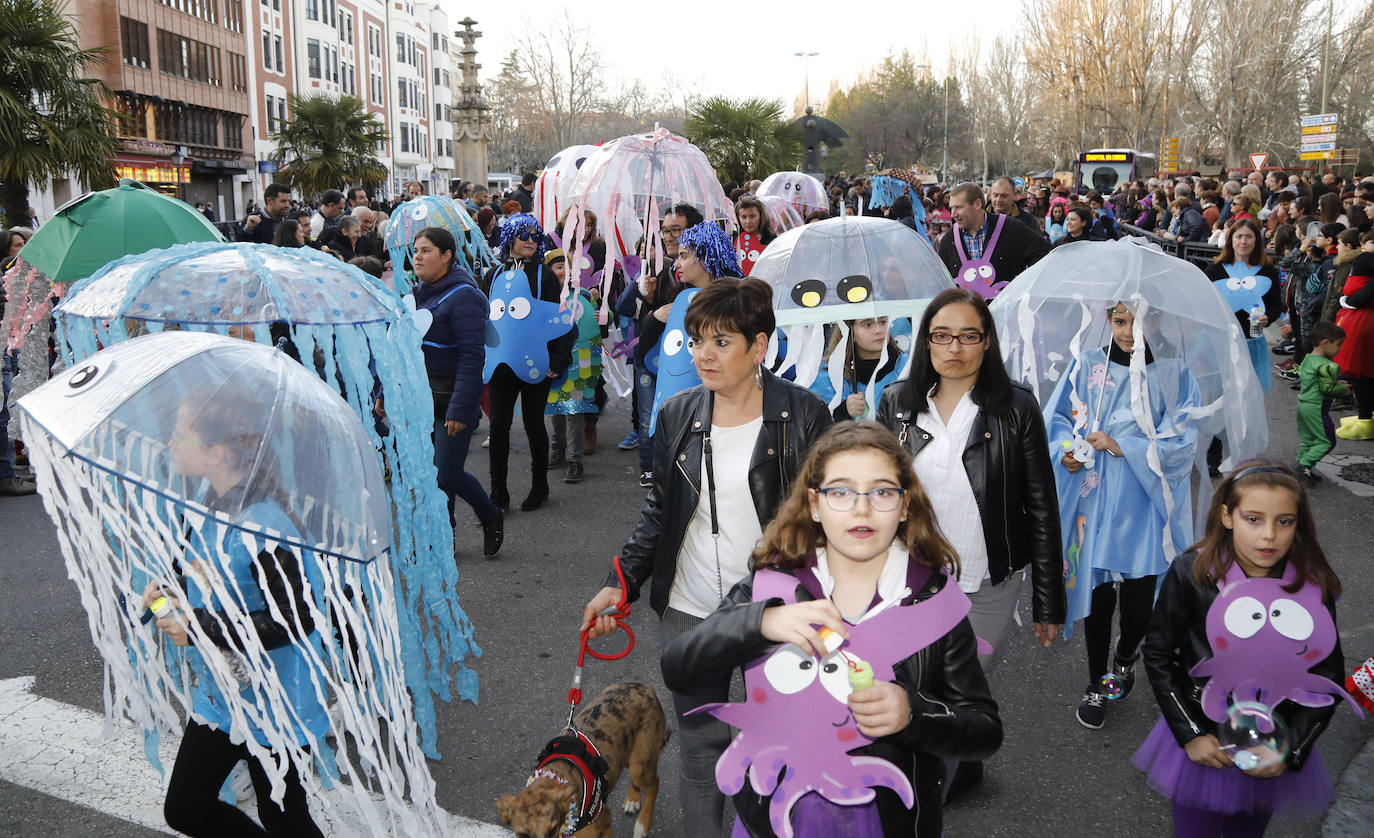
{"type": "Point", "coordinates": [748, 48]}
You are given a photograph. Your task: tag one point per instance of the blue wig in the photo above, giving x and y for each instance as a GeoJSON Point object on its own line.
{"type": "Point", "coordinates": [515, 225]}
{"type": "Point", "coordinates": [713, 248]}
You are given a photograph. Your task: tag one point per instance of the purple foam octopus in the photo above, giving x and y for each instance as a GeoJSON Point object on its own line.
{"type": "Point", "coordinates": [1264, 639]}
{"type": "Point", "coordinates": [796, 730]}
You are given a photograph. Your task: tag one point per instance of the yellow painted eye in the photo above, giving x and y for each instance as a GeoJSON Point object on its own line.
{"type": "Point", "coordinates": [811, 299]}
{"type": "Point", "coordinates": [808, 293]}
{"type": "Point", "coordinates": [855, 288]}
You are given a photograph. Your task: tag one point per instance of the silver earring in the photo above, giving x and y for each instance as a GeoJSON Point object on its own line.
{"type": "Point", "coordinates": [758, 379]}
{"type": "Point", "coordinates": [816, 518]}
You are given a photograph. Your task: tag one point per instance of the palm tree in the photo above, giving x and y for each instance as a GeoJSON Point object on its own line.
{"type": "Point", "coordinates": [745, 139]}
{"type": "Point", "coordinates": [52, 117]}
{"type": "Point", "coordinates": [330, 144]}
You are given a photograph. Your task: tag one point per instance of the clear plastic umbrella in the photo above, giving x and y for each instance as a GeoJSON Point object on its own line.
{"type": "Point", "coordinates": [631, 182]}
{"type": "Point", "coordinates": [416, 214]}
{"type": "Point", "coordinates": [355, 334]}
{"type": "Point", "coordinates": [551, 197]}
{"type": "Point", "coordinates": [1055, 312]}
{"type": "Point", "coordinates": [208, 464]}
{"type": "Point", "coordinates": [800, 190]}
{"type": "Point", "coordinates": [782, 216]}
{"type": "Point", "coordinates": [845, 268]}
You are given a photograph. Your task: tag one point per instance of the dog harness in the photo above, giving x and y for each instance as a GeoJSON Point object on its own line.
{"type": "Point", "coordinates": [574, 748]}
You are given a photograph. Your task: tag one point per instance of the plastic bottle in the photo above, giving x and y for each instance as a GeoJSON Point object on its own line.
{"type": "Point", "coordinates": [1256, 312]}
{"type": "Point", "coordinates": [860, 675]}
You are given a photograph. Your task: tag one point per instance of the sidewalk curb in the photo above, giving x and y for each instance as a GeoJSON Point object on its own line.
{"type": "Point", "coordinates": [1353, 811]}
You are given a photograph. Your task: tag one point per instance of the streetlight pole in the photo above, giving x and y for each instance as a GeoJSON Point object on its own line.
{"type": "Point", "coordinates": [944, 160]}
{"type": "Point", "coordinates": [1326, 56]}
{"type": "Point", "coordinates": [178, 157]}
{"type": "Point", "coordinates": [806, 77]}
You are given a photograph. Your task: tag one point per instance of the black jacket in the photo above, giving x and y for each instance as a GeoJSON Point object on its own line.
{"type": "Point", "coordinates": [1008, 463]}
{"type": "Point", "coordinates": [1177, 641]}
{"type": "Point", "coordinates": [793, 417]}
{"type": "Point", "coordinates": [544, 285]}
{"type": "Point", "coordinates": [1018, 248]}
{"type": "Point", "coordinates": [1192, 225]}
{"type": "Point", "coordinates": [953, 713]}
{"type": "Point", "coordinates": [1272, 300]}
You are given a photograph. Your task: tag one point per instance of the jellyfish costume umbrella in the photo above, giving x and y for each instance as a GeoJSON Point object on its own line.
{"type": "Point", "coordinates": [210, 466]}
{"type": "Point", "coordinates": [782, 216]}
{"type": "Point", "coordinates": [845, 268]}
{"type": "Point", "coordinates": [551, 190]}
{"type": "Point", "coordinates": [473, 253]}
{"type": "Point", "coordinates": [355, 335]}
{"type": "Point", "coordinates": [890, 184]}
{"type": "Point", "coordinates": [630, 183]}
{"type": "Point", "coordinates": [1052, 318]}
{"type": "Point", "coordinates": [802, 191]}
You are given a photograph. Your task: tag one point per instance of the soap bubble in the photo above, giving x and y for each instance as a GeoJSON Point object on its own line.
{"type": "Point", "coordinates": [1254, 735]}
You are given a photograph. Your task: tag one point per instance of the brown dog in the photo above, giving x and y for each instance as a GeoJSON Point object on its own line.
{"type": "Point", "coordinates": [627, 725]}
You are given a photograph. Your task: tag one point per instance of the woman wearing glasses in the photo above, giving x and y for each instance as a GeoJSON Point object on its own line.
{"type": "Point", "coordinates": [522, 251]}
{"type": "Point", "coordinates": [726, 454]}
{"type": "Point", "coordinates": [978, 443]}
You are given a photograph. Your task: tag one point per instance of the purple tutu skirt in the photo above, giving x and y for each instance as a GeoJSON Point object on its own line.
{"type": "Point", "coordinates": [815, 817]}
{"type": "Point", "coordinates": [1307, 793]}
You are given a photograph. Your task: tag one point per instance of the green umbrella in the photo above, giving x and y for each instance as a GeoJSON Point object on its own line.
{"type": "Point", "coordinates": [88, 233]}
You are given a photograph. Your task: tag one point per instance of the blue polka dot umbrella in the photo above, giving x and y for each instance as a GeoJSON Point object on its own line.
{"type": "Point", "coordinates": [360, 338]}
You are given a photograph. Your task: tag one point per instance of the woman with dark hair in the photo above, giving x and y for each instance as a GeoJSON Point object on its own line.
{"type": "Point", "coordinates": [1078, 226]}
{"type": "Point", "coordinates": [978, 442]}
{"type": "Point", "coordinates": [1330, 210]}
{"type": "Point", "coordinates": [726, 454]}
{"type": "Point", "coordinates": [1055, 227]}
{"type": "Point", "coordinates": [455, 352]}
{"type": "Point", "coordinates": [903, 210]}
{"type": "Point", "coordinates": [522, 252]}
{"type": "Point", "coordinates": [289, 233]}
{"type": "Point", "coordinates": [754, 234]}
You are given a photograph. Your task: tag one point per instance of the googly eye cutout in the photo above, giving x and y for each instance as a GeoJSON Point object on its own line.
{"type": "Point", "coordinates": [82, 377]}
{"type": "Point", "coordinates": [673, 342]}
{"type": "Point", "coordinates": [1245, 617]}
{"type": "Point", "coordinates": [498, 309]}
{"type": "Point", "coordinates": [1248, 283]}
{"type": "Point", "coordinates": [418, 213]}
{"type": "Point", "coordinates": [985, 271]}
{"type": "Point", "coordinates": [970, 275]}
{"type": "Point", "coordinates": [790, 670]}
{"type": "Point", "coordinates": [519, 308]}
{"type": "Point", "coordinates": [834, 677]}
{"type": "Point", "coordinates": [1290, 619]}
{"type": "Point", "coordinates": [1233, 283]}
{"type": "Point", "coordinates": [854, 289]}
{"type": "Point", "coordinates": [808, 293]}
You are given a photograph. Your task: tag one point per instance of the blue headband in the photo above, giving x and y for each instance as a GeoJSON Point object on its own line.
{"type": "Point", "coordinates": [517, 224]}
{"type": "Point", "coordinates": [713, 249]}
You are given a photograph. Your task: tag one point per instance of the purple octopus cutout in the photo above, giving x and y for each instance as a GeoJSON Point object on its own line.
{"type": "Point", "coordinates": [1264, 640]}
{"type": "Point", "coordinates": [796, 730]}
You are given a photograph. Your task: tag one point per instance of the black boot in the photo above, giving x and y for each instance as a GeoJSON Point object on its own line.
{"type": "Point", "coordinates": [500, 497]}
{"type": "Point", "coordinates": [536, 497]}
{"type": "Point", "coordinates": [493, 534]}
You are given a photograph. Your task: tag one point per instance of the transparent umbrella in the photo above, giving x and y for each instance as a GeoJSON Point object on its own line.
{"type": "Point", "coordinates": [782, 216]}
{"type": "Point", "coordinates": [355, 334]}
{"type": "Point", "coordinates": [1053, 315]}
{"type": "Point", "coordinates": [841, 269]}
{"type": "Point", "coordinates": [551, 198]}
{"type": "Point", "coordinates": [802, 191]}
{"type": "Point", "coordinates": [208, 464]}
{"type": "Point", "coordinates": [416, 214]}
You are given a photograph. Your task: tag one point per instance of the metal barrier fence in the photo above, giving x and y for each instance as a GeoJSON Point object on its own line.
{"type": "Point", "coordinates": [228, 229]}
{"type": "Point", "coordinates": [1199, 253]}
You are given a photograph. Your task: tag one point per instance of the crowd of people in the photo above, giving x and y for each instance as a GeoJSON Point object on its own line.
{"type": "Point", "coordinates": [955, 490]}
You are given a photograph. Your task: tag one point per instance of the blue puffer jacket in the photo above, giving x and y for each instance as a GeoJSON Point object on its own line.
{"type": "Point", "coordinates": [455, 348]}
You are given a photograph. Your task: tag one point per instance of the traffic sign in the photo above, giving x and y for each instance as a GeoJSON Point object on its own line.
{"type": "Point", "coordinates": [1318, 144]}
{"type": "Point", "coordinates": [1319, 129]}
{"type": "Point", "coordinates": [1258, 159]}
{"type": "Point", "coordinates": [1318, 119]}
{"type": "Point", "coordinates": [1316, 155]}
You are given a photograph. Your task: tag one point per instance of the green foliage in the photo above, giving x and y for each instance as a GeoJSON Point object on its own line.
{"type": "Point", "coordinates": [744, 139]}
{"type": "Point", "coordinates": [329, 144]}
{"type": "Point", "coordinates": [52, 117]}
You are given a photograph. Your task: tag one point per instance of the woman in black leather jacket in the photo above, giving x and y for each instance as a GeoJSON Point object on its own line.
{"type": "Point", "coordinates": [854, 538]}
{"type": "Point", "coordinates": [725, 455]}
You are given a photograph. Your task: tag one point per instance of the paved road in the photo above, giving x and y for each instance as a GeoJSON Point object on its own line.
{"type": "Point", "coordinates": [1051, 778]}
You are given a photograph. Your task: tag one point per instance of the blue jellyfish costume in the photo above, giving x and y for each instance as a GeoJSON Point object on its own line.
{"type": "Point", "coordinates": [891, 183]}
{"type": "Point", "coordinates": [473, 252]}
{"type": "Point", "coordinates": [359, 338]}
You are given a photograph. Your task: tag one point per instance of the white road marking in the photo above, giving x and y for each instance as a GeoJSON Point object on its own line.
{"type": "Point", "coordinates": [63, 751]}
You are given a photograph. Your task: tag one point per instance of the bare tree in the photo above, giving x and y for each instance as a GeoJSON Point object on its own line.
{"type": "Point", "coordinates": [565, 72]}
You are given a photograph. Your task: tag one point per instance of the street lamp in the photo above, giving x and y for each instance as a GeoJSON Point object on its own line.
{"type": "Point", "coordinates": [178, 157]}
{"type": "Point", "coordinates": [806, 76]}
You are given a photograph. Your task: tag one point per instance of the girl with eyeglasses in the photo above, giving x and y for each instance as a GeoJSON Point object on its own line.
{"type": "Point", "coordinates": [854, 539]}
{"type": "Point", "coordinates": [978, 443]}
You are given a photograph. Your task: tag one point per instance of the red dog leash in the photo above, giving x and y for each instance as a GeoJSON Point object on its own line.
{"type": "Point", "coordinates": [620, 611]}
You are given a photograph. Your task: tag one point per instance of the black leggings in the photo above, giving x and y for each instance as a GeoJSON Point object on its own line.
{"type": "Point", "coordinates": [205, 759]}
{"type": "Point", "coordinates": [1364, 396]}
{"type": "Point", "coordinates": [1137, 603]}
{"type": "Point", "coordinates": [504, 389]}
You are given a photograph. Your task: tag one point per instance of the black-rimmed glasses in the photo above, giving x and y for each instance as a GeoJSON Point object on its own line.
{"type": "Point", "coordinates": [966, 338]}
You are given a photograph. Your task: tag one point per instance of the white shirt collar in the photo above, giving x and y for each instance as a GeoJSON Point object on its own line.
{"type": "Point", "coordinates": [892, 586]}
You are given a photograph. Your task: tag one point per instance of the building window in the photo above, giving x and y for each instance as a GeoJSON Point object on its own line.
{"type": "Point", "coordinates": [312, 58]}
{"type": "Point", "coordinates": [203, 9]}
{"type": "Point", "coordinates": [233, 15]}
{"type": "Point", "coordinates": [405, 137]}
{"type": "Point", "coordinates": [271, 112]}
{"type": "Point", "coordinates": [266, 50]}
{"type": "Point", "coordinates": [134, 35]}
{"type": "Point", "coordinates": [346, 28]}
{"type": "Point", "coordinates": [233, 131]}
{"type": "Point", "coordinates": [374, 42]}
{"type": "Point", "coordinates": [328, 8]}
{"type": "Point", "coordinates": [400, 48]}
{"type": "Point", "coordinates": [277, 52]}
{"type": "Point", "coordinates": [135, 121]}
{"type": "Point", "coordinates": [188, 59]}
{"type": "Point", "coordinates": [378, 89]}
{"type": "Point", "coordinates": [238, 75]}
{"type": "Point", "coordinates": [312, 9]}
{"type": "Point", "coordinates": [401, 97]}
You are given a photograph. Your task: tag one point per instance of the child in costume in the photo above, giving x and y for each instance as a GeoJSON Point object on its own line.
{"type": "Point", "coordinates": [754, 234]}
{"type": "Point", "coordinates": [573, 397]}
{"type": "Point", "coordinates": [851, 580]}
{"type": "Point", "coordinates": [871, 354]}
{"type": "Point", "coordinates": [1122, 458]}
{"type": "Point", "coordinates": [1247, 614]}
{"type": "Point", "coordinates": [1319, 378]}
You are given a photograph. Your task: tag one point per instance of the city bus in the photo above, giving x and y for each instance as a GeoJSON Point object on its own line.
{"type": "Point", "coordinates": [1103, 169]}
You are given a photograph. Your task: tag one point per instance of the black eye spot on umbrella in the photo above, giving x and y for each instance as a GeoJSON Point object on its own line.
{"type": "Point", "coordinates": [855, 289]}
{"type": "Point", "coordinates": [808, 293]}
{"type": "Point", "coordinates": [578, 162]}
{"type": "Point", "coordinates": [83, 376]}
